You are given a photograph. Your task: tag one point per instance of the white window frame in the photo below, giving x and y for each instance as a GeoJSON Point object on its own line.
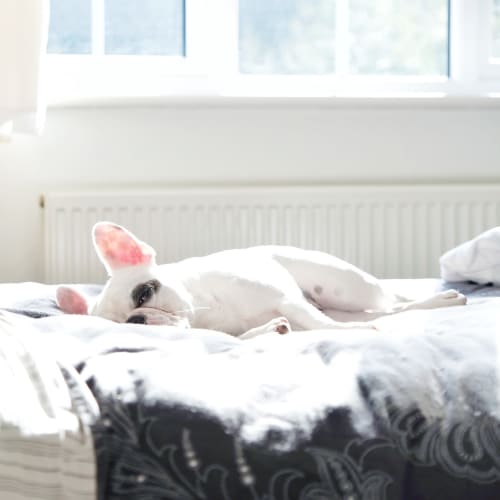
{"type": "Point", "coordinates": [210, 67]}
{"type": "Point", "coordinates": [97, 75]}
{"type": "Point", "coordinates": [489, 66]}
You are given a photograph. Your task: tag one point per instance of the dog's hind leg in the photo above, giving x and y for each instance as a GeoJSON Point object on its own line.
{"type": "Point", "coordinates": [442, 299]}
{"type": "Point", "coordinates": [304, 316]}
{"type": "Point", "coordinates": [333, 283]}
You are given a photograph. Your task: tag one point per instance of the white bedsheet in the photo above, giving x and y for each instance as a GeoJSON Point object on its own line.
{"type": "Point", "coordinates": [46, 449]}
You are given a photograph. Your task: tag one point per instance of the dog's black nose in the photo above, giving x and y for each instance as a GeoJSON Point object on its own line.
{"type": "Point", "coordinates": [137, 318]}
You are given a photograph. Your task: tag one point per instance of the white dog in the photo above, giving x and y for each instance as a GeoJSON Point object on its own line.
{"type": "Point", "coordinates": [242, 292]}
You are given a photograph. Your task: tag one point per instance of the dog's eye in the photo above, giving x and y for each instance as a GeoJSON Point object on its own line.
{"type": "Point", "coordinates": [144, 295]}
{"type": "Point", "coordinates": [144, 292]}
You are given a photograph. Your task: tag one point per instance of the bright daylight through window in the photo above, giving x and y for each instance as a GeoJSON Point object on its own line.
{"type": "Point", "coordinates": [369, 37]}
{"type": "Point", "coordinates": [495, 46]}
{"type": "Point", "coordinates": [129, 27]}
{"type": "Point", "coordinates": [332, 44]}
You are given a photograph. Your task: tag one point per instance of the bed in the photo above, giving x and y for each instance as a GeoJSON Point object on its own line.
{"type": "Point", "coordinates": [94, 409]}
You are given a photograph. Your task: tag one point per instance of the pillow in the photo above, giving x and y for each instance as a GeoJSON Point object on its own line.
{"type": "Point", "coordinates": [475, 260]}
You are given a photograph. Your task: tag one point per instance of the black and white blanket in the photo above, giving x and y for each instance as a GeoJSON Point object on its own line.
{"type": "Point", "coordinates": [411, 411]}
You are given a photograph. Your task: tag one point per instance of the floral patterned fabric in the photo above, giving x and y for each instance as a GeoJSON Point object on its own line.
{"type": "Point", "coordinates": [175, 453]}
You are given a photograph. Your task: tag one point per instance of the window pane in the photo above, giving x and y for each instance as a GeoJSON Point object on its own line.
{"type": "Point", "coordinates": [287, 36]}
{"type": "Point", "coordinates": [495, 48]}
{"type": "Point", "coordinates": [70, 27]}
{"type": "Point", "coordinates": [395, 37]}
{"type": "Point", "coordinates": [150, 27]}
{"type": "Point", "coordinates": [399, 37]}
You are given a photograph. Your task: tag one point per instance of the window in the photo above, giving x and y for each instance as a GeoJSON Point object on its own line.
{"type": "Point", "coordinates": [488, 39]}
{"type": "Point", "coordinates": [361, 37]}
{"type": "Point", "coordinates": [125, 27]}
{"type": "Point", "coordinates": [495, 30]}
{"type": "Point", "coordinates": [70, 27]}
{"type": "Point", "coordinates": [287, 37]}
{"type": "Point", "coordinates": [274, 47]}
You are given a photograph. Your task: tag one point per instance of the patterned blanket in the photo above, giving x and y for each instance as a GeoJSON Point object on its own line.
{"type": "Point", "coordinates": [411, 411]}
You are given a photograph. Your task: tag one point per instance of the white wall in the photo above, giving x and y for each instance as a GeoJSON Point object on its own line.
{"type": "Point", "coordinates": [168, 143]}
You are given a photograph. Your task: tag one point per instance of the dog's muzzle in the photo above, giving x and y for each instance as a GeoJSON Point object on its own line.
{"type": "Point", "coordinates": [152, 316]}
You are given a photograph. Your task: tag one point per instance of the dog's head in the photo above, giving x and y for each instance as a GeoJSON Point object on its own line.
{"type": "Point", "coordinates": [137, 291]}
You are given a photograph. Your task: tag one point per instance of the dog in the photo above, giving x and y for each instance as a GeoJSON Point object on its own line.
{"type": "Point", "coordinates": [242, 292]}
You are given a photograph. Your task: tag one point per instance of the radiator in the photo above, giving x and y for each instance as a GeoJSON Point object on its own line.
{"type": "Point", "coordinates": [391, 231]}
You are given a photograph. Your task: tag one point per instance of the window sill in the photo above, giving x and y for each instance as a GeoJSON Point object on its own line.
{"type": "Point", "coordinates": [402, 101]}
{"type": "Point", "coordinates": [118, 86]}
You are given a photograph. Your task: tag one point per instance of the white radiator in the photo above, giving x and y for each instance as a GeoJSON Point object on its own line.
{"type": "Point", "coordinates": [390, 231]}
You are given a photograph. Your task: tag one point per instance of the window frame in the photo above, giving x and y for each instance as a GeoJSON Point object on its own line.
{"type": "Point", "coordinates": [489, 67]}
{"type": "Point", "coordinates": [210, 67]}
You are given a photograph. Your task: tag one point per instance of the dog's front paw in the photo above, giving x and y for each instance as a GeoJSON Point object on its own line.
{"type": "Point", "coordinates": [280, 325]}
{"type": "Point", "coordinates": [277, 325]}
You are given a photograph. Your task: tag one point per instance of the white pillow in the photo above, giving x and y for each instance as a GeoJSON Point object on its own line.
{"type": "Point", "coordinates": [475, 260]}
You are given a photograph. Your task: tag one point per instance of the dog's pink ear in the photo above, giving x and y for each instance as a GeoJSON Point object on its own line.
{"type": "Point", "coordinates": [71, 301]}
{"type": "Point", "coordinates": [118, 248]}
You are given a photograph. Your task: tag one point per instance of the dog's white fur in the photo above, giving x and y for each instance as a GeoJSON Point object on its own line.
{"type": "Point", "coordinates": [243, 292]}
